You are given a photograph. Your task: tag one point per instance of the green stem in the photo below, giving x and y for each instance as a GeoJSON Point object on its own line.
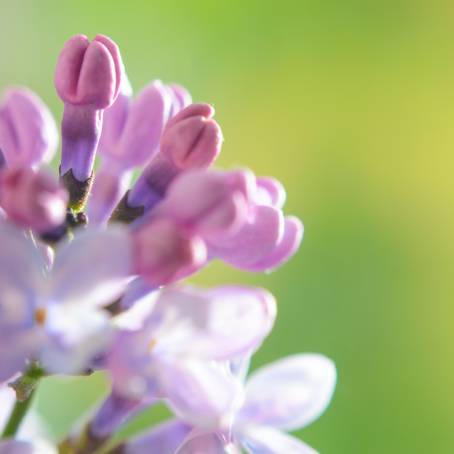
{"type": "Point", "coordinates": [24, 387]}
{"type": "Point", "coordinates": [18, 414]}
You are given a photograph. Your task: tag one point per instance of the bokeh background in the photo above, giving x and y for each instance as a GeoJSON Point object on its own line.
{"type": "Point", "coordinates": [351, 105]}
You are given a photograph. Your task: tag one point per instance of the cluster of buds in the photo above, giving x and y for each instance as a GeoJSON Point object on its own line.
{"type": "Point", "coordinates": [92, 264]}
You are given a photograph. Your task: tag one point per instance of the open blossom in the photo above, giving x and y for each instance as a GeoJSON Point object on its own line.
{"type": "Point", "coordinates": [56, 315]}
{"type": "Point", "coordinates": [172, 353]}
{"type": "Point", "coordinates": [286, 395]}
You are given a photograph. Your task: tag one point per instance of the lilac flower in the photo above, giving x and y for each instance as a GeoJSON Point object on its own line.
{"type": "Point", "coordinates": [32, 199]}
{"type": "Point", "coordinates": [286, 395]}
{"type": "Point", "coordinates": [55, 316]}
{"type": "Point", "coordinates": [87, 79]}
{"type": "Point", "coordinates": [172, 354]}
{"type": "Point", "coordinates": [130, 138]}
{"type": "Point", "coordinates": [28, 134]}
{"type": "Point", "coordinates": [191, 139]}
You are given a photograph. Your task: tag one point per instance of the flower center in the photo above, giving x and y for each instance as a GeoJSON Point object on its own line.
{"type": "Point", "coordinates": [152, 344]}
{"type": "Point", "coordinates": [40, 316]}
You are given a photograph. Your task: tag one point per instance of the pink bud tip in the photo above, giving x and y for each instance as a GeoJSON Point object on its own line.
{"type": "Point", "coordinates": [192, 138]}
{"type": "Point", "coordinates": [164, 253]}
{"type": "Point", "coordinates": [32, 199]}
{"type": "Point", "coordinates": [89, 73]}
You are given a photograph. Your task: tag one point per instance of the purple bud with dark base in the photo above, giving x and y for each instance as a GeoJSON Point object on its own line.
{"type": "Point", "coordinates": [87, 79]}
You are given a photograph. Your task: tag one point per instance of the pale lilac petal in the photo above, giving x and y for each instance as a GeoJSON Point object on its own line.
{"type": "Point", "coordinates": [266, 440]}
{"type": "Point", "coordinates": [22, 273]}
{"type": "Point", "coordinates": [93, 269]}
{"type": "Point", "coordinates": [75, 336]}
{"type": "Point", "coordinates": [289, 393]}
{"type": "Point", "coordinates": [201, 393]}
{"type": "Point", "coordinates": [256, 239]}
{"type": "Point", "coordinates": [207, 443]}
{"type": "Point", "coordinates": [285, 249]}
{"type": "Point", "coordinates": [25, 447]}
{"type": "Point", "coordinates": [219, 324]}
{"type": "Point", "coordinates": [136, 291]}
{"type": "Point", "coordinates": [115, 411]}
{"type": "Point", "coordinates": [240, 366]}
{"type": "Point", "coordinates": [162, 439]}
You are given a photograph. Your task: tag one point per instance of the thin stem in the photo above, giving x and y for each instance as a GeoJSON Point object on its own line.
{"type": "Point", "coordinates": [25, 387]}
{"type": "Point", "coordinates": [18, 414]}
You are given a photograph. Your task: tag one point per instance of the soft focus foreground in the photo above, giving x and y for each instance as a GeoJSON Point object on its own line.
{"type": "Point", "coordinates": [349, 104]}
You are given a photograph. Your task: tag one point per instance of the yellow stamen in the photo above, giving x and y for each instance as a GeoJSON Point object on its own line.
{"type": "Point", "coordinates": [40, 316]}
{"type": "Point", "coordinates": [152, 344]}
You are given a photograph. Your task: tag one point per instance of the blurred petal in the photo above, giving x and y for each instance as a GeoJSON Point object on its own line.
{"type": "Point", "coordinates": [22, 273]}
{"type": "Point", "coordinates": [213, 324]}
{"type": "Point", "coordinates": [25, 447]}
{"type": "Point", "coordinates": [270, 192]}
{"type": "Point", "coordinates": [204, 443]}
{"type": "Point", "coordinates": [162, 439]}
{"type": "Point", "coordinates": [201, 393]}
{"type": "Point", "coordinates": [287, 246]}
{"type": "Point", "coordinates": [256, 239]}
{"type": "Point", "coordinates": [290, 393]}
{"type": "Point", "coordinates": [76, 335]}
{"type": "Point", "coordinates": [266, 440]}
{"type": "Point", "coordinates": [92, 269]}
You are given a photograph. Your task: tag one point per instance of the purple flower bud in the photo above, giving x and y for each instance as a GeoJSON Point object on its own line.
{"type": "Point", "coordinates": [87, 78]}
{"type": "Point", "coordinates": [89, 73]}
{"type": "Point", "coordinates": [163, 252]}
{"type": "Point", "coordinates": [28, 134]}
{"type": "Point", "coordinates": [208, 203]}
{"type": "Point", "coordinates": [130, 138]}
{"type": "Point", "coordinates": [191, 139]}
{"type": "Point", "coordinates": [32, 199]}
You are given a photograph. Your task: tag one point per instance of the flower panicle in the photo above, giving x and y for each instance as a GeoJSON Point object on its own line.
{"type": "Point", "coordinates": [92, 267]}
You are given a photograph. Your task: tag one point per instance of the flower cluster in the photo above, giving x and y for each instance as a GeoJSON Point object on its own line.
{"type": "Point", "coordinates": [91, 269]}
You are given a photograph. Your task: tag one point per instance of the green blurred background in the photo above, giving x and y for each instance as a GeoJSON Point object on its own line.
{"type": "Point", "coordinates": [350, 104]}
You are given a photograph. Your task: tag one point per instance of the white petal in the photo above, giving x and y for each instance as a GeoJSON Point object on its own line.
{"type": "Point", "coordinates": [76, 335]}
{"type": "Point", "coordinates": [266, 440]}
{"type": "Point", "coordinates": [22, 273]}
{"type": "Point", "coordinates": [201, 393]}
{"type": "Point", "coordinates": [93, 269]}
{"type": "Point", "coordinates": [219, 324]}
{"type": "Point", "coordinates": [207, 443]}
{"type": "Point", "coordinates": [162, 439]}
{"type": "Point", "coordinates": [290, 393]}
